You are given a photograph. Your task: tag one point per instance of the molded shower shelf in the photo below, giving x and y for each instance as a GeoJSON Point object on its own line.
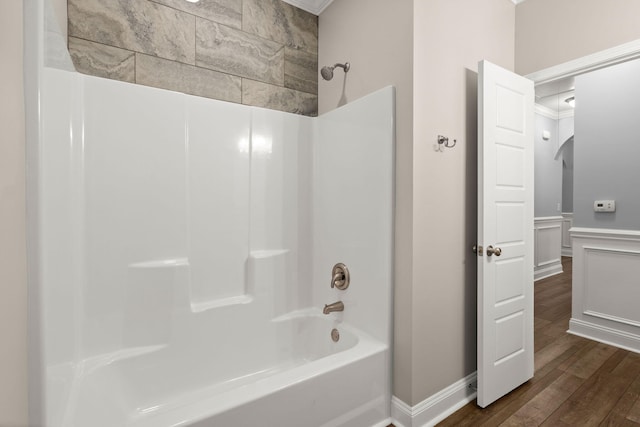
{"type": "Point", "coordinates": [161, 263]}
{"type": "Point", "coordinates": [199, 307]}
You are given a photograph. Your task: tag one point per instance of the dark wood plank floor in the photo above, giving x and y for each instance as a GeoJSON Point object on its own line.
{"type": "Point", "coordinates": [577, 382]}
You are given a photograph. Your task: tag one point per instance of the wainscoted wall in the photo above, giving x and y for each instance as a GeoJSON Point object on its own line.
{"type": "Point", "coordinates": [606, 267]}
{"type": "Point", "coordinates": [567, 223]}
{"type": "Point", "coordinates": [548, 245]}
{"type": "Point", "coordinates": [255, 52]}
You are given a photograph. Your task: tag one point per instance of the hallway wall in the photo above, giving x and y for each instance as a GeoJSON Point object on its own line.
{"type": "Point", "coordinates": [548, 169]}
{"type": "Point", "coordinates": [606, 148]}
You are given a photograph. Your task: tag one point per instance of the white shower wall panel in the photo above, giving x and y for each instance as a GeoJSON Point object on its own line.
{"type": "Point", "coordinates": [135, 192]}
{"type": "Point", "coordinates": [280, 155]}
{"type": "Point", "coordinates": [169, 199]}
{"type": "Point", "coordinates": [61, 225]}
{"type": "Point", "coordinates": [353, 209]}
{"type": "Point", "coordinates": [275, 170]}
{"type": "Point", "coordinates": [218, 138]}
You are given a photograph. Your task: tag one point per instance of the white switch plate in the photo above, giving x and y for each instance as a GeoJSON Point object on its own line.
{"type": "Point", "coordinates": [604, 206]}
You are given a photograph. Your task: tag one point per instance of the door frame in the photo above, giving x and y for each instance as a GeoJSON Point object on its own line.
{"type": "Point", "coordinates": [615, 55]}
{"type": "Point", "coordinates": [602, 59]}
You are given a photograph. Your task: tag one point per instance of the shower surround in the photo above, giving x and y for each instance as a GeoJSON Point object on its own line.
{"type": "Point", "coordinates": [254, 52]}
{"type": "Point", "coordinates": [185, 255]}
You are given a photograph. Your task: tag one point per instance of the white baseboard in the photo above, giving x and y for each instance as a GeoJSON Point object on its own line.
{"type": "Point", "coordinates": [436, 408]}
{"type": "Point", "coordinates": [605, 335]}
{"type": "Point", "coordinates": [567, 252]}
{"type": "Point", "coordinates": [547, 271]}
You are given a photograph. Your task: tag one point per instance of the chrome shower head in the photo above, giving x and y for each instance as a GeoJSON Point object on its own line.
{"type": "Point", "coordinates": [327, 72]}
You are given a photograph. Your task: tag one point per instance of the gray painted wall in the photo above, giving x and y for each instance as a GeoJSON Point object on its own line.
{"type": "Point", "coordinates": [566, 130]}
{"type": "Point", "coordinates": [567, 176]}
{"type": "Point", "coordinates": [607, 146]}
{"type": "Point", "coordinates": [548, 171]}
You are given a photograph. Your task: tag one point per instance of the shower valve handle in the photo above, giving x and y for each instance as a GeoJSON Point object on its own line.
{"type": "Point", "coordinates": [340, 276]}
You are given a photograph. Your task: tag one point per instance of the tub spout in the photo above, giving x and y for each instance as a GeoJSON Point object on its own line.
{"type": "Point", "coordinates": [336, 306]}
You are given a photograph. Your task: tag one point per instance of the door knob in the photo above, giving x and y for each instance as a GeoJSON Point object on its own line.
{"type": "Point", "coordinates": [493, 251]}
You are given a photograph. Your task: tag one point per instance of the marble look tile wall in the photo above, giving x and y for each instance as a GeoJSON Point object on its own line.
{"type": "Point", "coordinates": [255, 52]}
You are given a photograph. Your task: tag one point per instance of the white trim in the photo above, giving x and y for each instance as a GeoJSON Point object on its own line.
{"type": "Point", "coordinates": [614, 55]}
{"type": "Point", "coordinates": [604, 322]}
{"type": "Point", "coordinates": [547, 271]}
{"type": "Point", "coordinates": [547, 261]}
{"type": "Point", "coordinates": [543, 219]}
{"type": "Point", "coordinates": [604, 233]}
{"type": "Point", "coordinates": [604, 335]}
{"type": "Point", "coordinates": [435, 408]}
{"type": "Point", "coordinates": [545, 112]}
{"type": "Point", "coordinates": [552, 114]}
{"type": "Point", "coordinates": [567, 223]}
{"type": "Point", "coordinates": [566, 114]}
{"type": "Point", "coordinates": [612, 318]}
{"type": "Point", "coordinates": [400, 413]}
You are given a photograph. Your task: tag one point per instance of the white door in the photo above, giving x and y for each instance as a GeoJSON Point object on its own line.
{"type": "Point", "coordinates": [505, 231]}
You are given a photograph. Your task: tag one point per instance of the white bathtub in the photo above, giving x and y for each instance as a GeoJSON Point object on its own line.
{"type": "Point", "coordinates": [187, 252]}
{"type": "Point", "coordinates": [340, 383]}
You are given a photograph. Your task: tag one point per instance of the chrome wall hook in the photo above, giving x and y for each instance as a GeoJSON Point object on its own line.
{"type": "Point", "coordinates": [443, 142]}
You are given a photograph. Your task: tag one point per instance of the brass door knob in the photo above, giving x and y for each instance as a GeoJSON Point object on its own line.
{"type": "Point", "coordinates": [493, 251]}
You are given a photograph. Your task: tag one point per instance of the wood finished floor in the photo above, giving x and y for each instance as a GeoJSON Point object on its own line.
{"type": "Point", "coordinates": [577, 382]}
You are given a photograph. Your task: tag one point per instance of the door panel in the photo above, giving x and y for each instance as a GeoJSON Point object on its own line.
{"type": "Point", "coordinates": [505, 223]}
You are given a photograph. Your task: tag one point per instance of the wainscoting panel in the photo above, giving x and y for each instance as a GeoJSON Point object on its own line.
{"type": "Point", "coordinates": [548, 246]}
{"type": "Point", "coordinates": [567, 223]}
{"type": "Point", "coordinates": [606, 291]}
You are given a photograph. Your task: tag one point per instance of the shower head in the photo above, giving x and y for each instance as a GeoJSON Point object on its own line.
{"type": "Point", "coordinates": [327, 72]}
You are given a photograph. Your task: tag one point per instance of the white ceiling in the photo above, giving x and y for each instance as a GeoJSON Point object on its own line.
{"type": "Point", "coordinates": [317, 6]}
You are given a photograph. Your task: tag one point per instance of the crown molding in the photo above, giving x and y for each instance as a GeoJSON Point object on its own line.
{"type": "Point", "coordinates": [567, 114]}
{"type": "Point", "coordinates": [552, 114]}
{"type": "Point", "coordinates": [595, 61]}
{"type": "Point", "coordinates": [545, 112]}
